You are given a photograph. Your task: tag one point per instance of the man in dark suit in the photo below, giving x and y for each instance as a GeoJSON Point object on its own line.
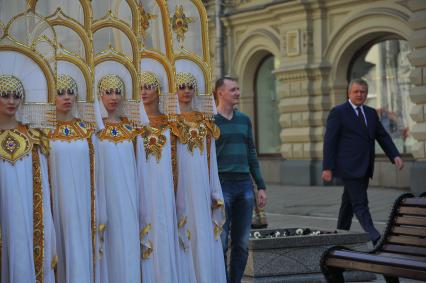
{"type": "Point", "coordinates": [349, 141]}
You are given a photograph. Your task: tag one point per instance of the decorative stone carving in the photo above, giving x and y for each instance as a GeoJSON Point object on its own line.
{"type": "Point", "coordinates": [292, 43]}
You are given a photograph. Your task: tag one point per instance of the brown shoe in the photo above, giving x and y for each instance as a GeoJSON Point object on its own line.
{"type": "Point", "coordinates": [259, 221]}
{"type": "Point", "coordinates": [262, 219]}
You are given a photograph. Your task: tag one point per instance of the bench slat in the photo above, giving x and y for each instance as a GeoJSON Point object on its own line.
{"type": "Point", "coordinates": [421, 211]}
{"type": "Point", "coordinates": [377, 268]}
{"type": "Point", "coordinates": [404, 249]}
{"type": "Point", "coordinates": [407, 240]}
{"type": "Point", "coordinates": [414, 231]}
{"type": "Point", "coordinates": [396, 255]}
{"type": "Point", "coordinates": [407, 220]}
{"type": "Point", "coordinates": [364, 257]}
{"type": "Point", "coordinates": [415, 201]}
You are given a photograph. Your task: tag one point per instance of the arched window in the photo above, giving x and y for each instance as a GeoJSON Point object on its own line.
{"type": "Point", "coordinates": [385, 66]}
{"type": "Point", "coordinates": [266, 108]}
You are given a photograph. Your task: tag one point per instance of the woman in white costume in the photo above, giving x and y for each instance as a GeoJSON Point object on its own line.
{"type": "Point", "coordinates": [117, 177]}
{"type": "Point", "coordinates": [198, 175]}
{"type": "Point", "coordinates": [72, 160]}
{"type": "Point", "coordinates": [27, 233]}
{"type": "Point", "coordinates": [172, 261]}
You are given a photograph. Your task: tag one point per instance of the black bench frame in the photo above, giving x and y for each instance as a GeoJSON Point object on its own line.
{"type": "Point", "coordinates": [401, 251]}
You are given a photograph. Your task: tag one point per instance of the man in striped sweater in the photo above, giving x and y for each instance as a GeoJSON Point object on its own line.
{"type": "Point", "coordinates": [237, 160]}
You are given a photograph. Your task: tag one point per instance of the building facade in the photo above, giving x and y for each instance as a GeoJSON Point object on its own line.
{"type": "Point", "coordinates": [293, 60]}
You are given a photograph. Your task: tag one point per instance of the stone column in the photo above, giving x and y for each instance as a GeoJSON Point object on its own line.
{"type": "Point", "coordinates": [304, 104]}
{"type": "Point", "coordinates": [417, 40]}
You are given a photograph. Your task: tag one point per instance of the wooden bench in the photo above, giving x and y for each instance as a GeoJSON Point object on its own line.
{"type": "Point", "coordinates": [400, 253]}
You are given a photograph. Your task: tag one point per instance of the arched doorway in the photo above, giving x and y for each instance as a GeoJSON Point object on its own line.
{"type": "Point", "coordinates": [266, 108]}
{"type": "Point", "coordinates": [385, 66]}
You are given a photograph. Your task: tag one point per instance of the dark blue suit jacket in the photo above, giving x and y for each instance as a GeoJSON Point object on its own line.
{"type": "Point", "coordinates": [349, 145]}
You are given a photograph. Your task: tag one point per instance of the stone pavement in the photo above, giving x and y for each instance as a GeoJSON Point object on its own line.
{"type": "Point", "coordinates": [318, 207]}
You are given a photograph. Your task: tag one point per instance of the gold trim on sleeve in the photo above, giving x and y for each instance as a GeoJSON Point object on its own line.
{"type": "Point", "coordinates": [217, 231]}
{"type": "Point", "coordinates": [173, 145]}
{"type": "Point", "coordinates": [147, 251]}
{"type": "Point", "coordinates": [38, 228]}
{"type": "Point", "coordinates": [146, 246]}
{"type": "Point", "coordinates": [145, 230]}
{"type": "Point", "coordinates": [209, 148]}
{"type": "Point", "coordinates": [217, 203]}
{"type": "Point", "coordinates": [102, 228]}
{"type": "Point", "coordinates": [92, 201]}
{"type": "Point", "coordinates": [54, 262]}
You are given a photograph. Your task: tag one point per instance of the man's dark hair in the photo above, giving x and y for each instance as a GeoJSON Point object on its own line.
{"type": "Point", "coordinates": [357, 81]}
{"type": "Point", "coordinates": [220, 82]}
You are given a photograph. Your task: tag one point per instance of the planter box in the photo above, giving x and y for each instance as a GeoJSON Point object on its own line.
{"type": "Point", "coordinates": [297, 258]}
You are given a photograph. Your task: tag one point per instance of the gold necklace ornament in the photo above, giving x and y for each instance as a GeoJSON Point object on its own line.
{"type": "Point", "coordinates": [18, 143]}
{"type": "Point", "coordinates": [75, 129]}
{"type": "Point", "coordinates": [154, 141]}
{"type": "Point", "coordinates": [117, 132]}
{"type": "Point", "coordinates": [153, 136]}
{"type": "Point", "coordinates": [14, 145]}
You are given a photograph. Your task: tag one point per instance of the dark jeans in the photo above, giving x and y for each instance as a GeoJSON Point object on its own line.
{"type": "Point", "coordinates": [238, 196]}
{"type": "Point", "coordinates": [355, 201]}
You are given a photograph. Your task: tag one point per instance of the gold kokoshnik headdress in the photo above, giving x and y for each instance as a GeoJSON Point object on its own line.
{"type": "Point", "coordinates": [11, 85]}
{"type": "Point", "coordinates": [168, 102]}
{"type": "Point", "coordinates": [202, 103]}
{"type": "Point", "coordinates": [106, 84]}
{"type": "Point", "coordinates": [151, 80]}
{"type": "Point", "coordinates": [81, 109]}
{"type": "Point", "coordinates": [115, 76]}
{"type": "Point", "coordinates": [66, 84]}
{"type": "Point", "coordinates": [186, 79]}
{"type": "Point", "coordinates": [110, 83]}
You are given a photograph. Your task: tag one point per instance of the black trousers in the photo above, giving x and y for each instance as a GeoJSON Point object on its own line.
{"type": "Point", "coordinates": [355, 201]}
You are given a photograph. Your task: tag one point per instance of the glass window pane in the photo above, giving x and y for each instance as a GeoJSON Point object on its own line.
{"type": "Point", "coordinates": [70, 41]}
{"type": "Point", "coordinates": [71, 8]}
{"type": "Point", "coordinates": [153, 33]}
{"type": "Point", "coordinates": [119, 9]}
{"type": "Point", "coordinates": [386, 68]}
{"type": "Point", "coordinates": [106, 37]}
{"type": "Point", "coordinates": [268, 127]}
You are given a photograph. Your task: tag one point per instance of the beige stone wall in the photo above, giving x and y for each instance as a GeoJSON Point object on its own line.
{"type": "Point", "coordinates": [417, 40]}
{"type": "Point", "coordinates": [314, 42]}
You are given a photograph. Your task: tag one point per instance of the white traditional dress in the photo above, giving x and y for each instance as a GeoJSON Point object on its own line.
{"type": "Point", "coordinates": [72, 160]}
{"type": "Point", "coordinates": [198, 177]}
{"type": "Point", "coordinates": [28, 252]}
{"type": "Point", "coordinates": [117, 178]}
{"type": "Point", "coordinates": [170, 262]}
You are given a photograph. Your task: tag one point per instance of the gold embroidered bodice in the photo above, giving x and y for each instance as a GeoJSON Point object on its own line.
{"type": "Point", "coordinates": [153, 136]}
{"type": "Point", "coordinates": [118, 131]}
{"type": "Point", "coordinates": [75, 129]}
{"type": "Point", "coordinates": [195, 129]}
{"type": "Point", "coordinates": [18, 143]}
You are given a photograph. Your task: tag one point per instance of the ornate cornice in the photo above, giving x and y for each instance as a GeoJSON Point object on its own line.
{"type": "Point", "coordinates": [318, 73]}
